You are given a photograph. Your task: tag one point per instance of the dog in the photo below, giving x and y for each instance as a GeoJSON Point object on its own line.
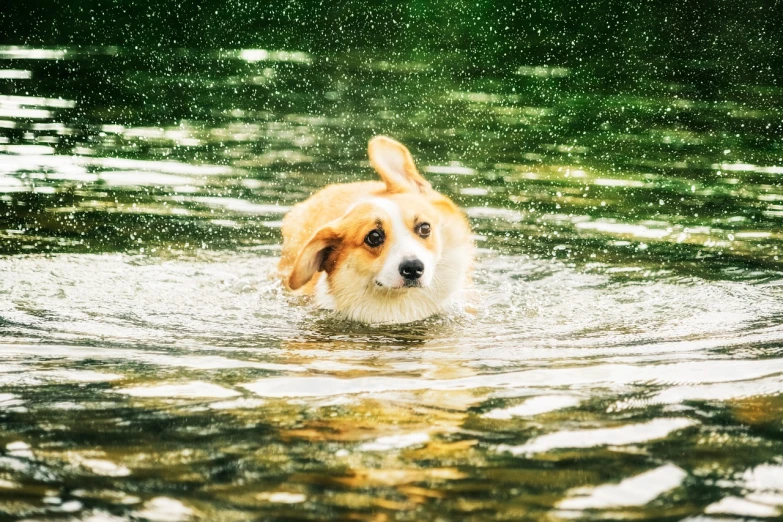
{"type": "Point", "coordinates": [390, 251]}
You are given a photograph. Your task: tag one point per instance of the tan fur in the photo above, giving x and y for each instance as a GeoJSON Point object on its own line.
{"type": "Point", "coordinates": [320, 234]}
{"type": "Point", "coordinates": [306, 218]}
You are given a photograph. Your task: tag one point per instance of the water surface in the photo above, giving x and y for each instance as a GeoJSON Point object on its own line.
{"type": "Point", "coordinates": [620, 354]}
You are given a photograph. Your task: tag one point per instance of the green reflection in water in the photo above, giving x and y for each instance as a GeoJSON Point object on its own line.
{"type": "Point", "coordinates": [621, 356]}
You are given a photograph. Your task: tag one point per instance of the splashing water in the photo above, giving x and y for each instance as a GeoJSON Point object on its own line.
{"type": "Point", "coordinates": [620, 355]}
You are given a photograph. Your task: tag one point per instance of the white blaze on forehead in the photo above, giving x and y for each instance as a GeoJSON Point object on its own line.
{"type": "Point", "coordinates": [394, 212]}
{"type": "Point", "coordinates": [402, 245]}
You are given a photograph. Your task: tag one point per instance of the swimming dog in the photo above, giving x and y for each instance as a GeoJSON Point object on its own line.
{"type": "Point", "coordinates": [390, 251]}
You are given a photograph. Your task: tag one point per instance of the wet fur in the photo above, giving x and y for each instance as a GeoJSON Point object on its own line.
{"type": "Point", "coordinates": [324, 253]}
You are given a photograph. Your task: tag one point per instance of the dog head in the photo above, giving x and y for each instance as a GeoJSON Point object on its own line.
{"type": "Point", "coordinates": [389, 247]}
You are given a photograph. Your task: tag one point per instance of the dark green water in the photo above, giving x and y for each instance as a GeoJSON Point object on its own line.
{"type": "Point", "coordinates": [622, 351]}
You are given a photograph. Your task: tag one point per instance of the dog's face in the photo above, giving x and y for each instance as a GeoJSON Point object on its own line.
{"type": "Point", "coordinates": [391, 257]}
{"type": "Point", "coordinates": [388, 244]}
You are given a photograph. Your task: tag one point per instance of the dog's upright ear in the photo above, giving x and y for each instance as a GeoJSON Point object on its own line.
{"type": "Point", "coordinates": [393, 161]}
{"type": "Point", "coordinates": [313, 256]}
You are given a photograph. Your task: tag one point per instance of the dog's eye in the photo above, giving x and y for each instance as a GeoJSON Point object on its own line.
{"type": "Point", "coordinates": [375, 238]}
{"type": "Point", "coordinates": [423, 229]}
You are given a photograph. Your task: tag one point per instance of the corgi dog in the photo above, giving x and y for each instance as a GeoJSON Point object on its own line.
{"type": "Point", "coordinates": [390, 251]}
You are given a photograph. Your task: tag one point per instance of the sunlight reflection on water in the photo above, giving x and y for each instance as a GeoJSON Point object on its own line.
{"type": "Point", "coordinates": [619, 354]}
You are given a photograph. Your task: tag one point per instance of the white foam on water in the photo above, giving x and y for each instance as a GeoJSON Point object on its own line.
{"type": "Point", "coordinates": [282, 497]}
{"type": "Point", "coordinates": [449, 170]}
{"type": "Point", "coordinates": [9, 399]}
{"type": "Point", "coordinates": [198, 362]}
{"type": "Point", "coordinates": [395, 442]}
{"type": "Point", "coordinates": [71, 506]}
{"type": "Point", "coordinates": [769, 386]}
{"type": "Point", "coordinates": [633, 491]}
{"type": "Point", "coordinates": [21, 112]}
{"type": "Point", "coordinates": [624, 229]}
{"type": "Point", "coordinates": [7, 484]}
{"type": "Point", "coordinates": [105, 468]}
{"type": "Point", "coordinates": [164, 509]}
{"type": "Point", "coordinates": [577, 377]}
{"type": "Point", "coordinates": [14, 52]}
{"type": "Point", "coordinates": [241, 205]}
{"type": "Point", "coordinates": [534, 406]}
{"type": "Point", "coordinates": [326, 386]}
{"type": "Point", "coordinates": [766, 477]}
{"type": "Point", "coordinates": [763, 486]}
{"type": "Point", "coordinates": [739, 506]}
{"type": "Point", "coordinates": [33, 377]}
{"type": "Point", "coordinates": [237, 404]}
{"type": "Point", "coordinates": [169, 167]}
{"type": "Point", "coordinates": [15, 74]}
{"type": "Point", "coordinates": [37, 101]}
{"type": "Point", "coordinates": [132, 178]}
{"type": "Point", "coordinates": [619, 436]}
{"type": "Point", "coordinates": [19, 449]}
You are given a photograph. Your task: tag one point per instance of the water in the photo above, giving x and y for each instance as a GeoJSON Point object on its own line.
{"type": "Point", "coordinates": [619, 356]}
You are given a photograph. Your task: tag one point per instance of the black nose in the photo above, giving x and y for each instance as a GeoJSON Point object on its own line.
{"type": "Point", "coordinates": [411, 269]}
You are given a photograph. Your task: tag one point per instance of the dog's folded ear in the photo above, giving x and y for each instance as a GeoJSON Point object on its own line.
{"type": "Point", "coordinates": [313, 256]}
{"type": "Point", "coordinates": [392, 160]}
